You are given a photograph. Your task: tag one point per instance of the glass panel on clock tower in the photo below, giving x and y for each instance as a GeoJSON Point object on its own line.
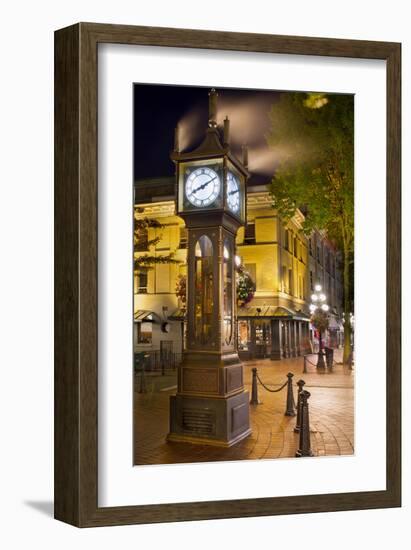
{"type": "Point", "coordinates": [228, 292]}
{"type": "Point", "coordinates": [203, 290]}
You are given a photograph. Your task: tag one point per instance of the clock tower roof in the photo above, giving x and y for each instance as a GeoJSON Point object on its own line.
{"type": "Point", "coordinates": [210, 147]}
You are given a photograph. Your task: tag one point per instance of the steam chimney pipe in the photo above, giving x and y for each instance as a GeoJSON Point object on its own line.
{"type": "Point", "coordinates": [226, 131]}
{"type": "Point", "coordinates": [212, 108]}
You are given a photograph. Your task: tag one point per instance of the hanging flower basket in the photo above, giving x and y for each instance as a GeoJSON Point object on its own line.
{"type": "Point", "coordinates": [319, 320]}
{"type": "Point", "coordinates": [181, 290]}
{"type": "Point", "coordinates": [245, 287]}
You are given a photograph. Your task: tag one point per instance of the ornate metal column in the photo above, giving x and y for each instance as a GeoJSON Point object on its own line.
{"type": "Point", "coordinates": [275, 339]}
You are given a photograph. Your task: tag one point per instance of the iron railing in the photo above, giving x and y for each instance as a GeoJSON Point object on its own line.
{"type": "Point", "coordinates": [156, 360]}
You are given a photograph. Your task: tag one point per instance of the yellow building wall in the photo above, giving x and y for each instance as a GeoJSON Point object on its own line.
{"type": "Point", "coordinates": [162, 278]}
{"type": "Point", "coordinates": [269, 258]}
{"type": "Point", "coordinates": [163, 283]}
{"type": "Point", "coordinates": [265, 258]}
{"type": "Point", "coordinates": [265, 229]}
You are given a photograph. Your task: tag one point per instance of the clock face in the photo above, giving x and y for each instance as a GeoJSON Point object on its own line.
{"type": "Point", "coordinates": [202, 187]}
{"type": "Point", "coordinates": [233, 193]}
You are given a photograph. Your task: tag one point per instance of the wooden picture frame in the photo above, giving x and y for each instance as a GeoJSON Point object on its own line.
{"type": "Point", "coordinates": [76, 313]}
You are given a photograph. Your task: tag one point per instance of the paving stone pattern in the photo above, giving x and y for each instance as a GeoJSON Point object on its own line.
{"type": "Point", "coordinates": [331, 407]}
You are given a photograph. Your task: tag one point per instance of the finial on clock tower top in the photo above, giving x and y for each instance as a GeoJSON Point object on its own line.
{"type": "Point", "coordinates": [226, 131]}
{"type": "Point", "coordinates": [212, 108]}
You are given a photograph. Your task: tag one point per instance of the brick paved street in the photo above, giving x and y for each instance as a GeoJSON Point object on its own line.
{"type": "Point", "coordinates": [331, 417]}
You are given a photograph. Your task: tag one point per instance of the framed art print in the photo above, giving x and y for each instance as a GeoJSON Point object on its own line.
{"type": "Point", "coordinates": [227, 303]}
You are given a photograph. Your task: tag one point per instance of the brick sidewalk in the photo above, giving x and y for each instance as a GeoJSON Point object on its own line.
{"type": "Point", "coordinates": [331, 417]}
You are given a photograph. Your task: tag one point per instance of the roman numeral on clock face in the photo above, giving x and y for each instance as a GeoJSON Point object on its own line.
{"type": "Point", "coordinates": [202, 187]}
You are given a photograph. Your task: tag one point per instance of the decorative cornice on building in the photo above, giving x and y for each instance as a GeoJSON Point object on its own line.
{"type": "Point", "coordinates": [255, 200]}
{"type": "Point", "coordinates": [161, 209]}
{"type": "Point", "coordinates": [258, 199]}
{"type": "Point", "coordinates": [298, 219]}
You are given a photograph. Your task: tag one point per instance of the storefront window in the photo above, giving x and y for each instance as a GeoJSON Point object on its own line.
{"type": "Point", "coordinates": [228, 293]}
{"type": "Point", "coordinates": [243, 335]}
{"type": "Point", "coordinates": [203, 289]}
{"type": "Point", "coordinates": [262, 339]}
{"type": "Point", "coordinates": [262, 333]}
{"type": "Point", "coordinates": [144, 333]}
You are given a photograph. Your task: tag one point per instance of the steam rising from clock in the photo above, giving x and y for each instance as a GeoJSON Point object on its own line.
{"type": "Point", "coordinates": [250, 123]}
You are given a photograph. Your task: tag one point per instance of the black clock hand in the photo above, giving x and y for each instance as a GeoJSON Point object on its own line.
{"type": "Point", "coordinates": [233, 192]}
{"type": "Point", "coordinates": [194, 191]}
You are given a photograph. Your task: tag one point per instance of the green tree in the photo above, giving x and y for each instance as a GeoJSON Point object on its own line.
{"type": "Point", "coordinates": [315, 134]}
{"type": "Point", "coordinates": [143, 262]}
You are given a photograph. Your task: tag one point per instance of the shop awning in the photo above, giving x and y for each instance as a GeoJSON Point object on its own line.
{"type": "Point", "coordinates": [271, 312]}
{"type": "Point", "coordinates": [251, 312]}
{"type": "Point", "coordinates": [145, 315]}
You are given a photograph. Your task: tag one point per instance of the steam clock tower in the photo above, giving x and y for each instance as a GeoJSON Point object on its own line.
{"type": "Point", "coordinates": [211, 405]}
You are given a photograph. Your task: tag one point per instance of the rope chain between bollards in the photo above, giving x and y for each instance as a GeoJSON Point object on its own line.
{"type": "Point", "coordinates": [306, 360]}
{"type": "Point", "coordinates": [290, 402]}
{"type": "Point", "coordinates": [268, 389]}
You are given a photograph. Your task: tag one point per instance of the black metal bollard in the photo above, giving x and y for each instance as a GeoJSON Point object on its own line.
{"type": "Point", "coordinates": [350, 363]}
{"type": "Point", "coordinates": [300, 385]}
{"type": "Point", "coordinates": [254, 390]}
{"type": "Point", "coordinates": [329, 358]}
{"type": "Point", "coordinates": [305, 365]}
{"type": "Point", "coordinates": [321, 362]}
{"type": "Point", "coordinates": [289, 411]}
{"type": "Point", "coordinates": [305, 442]}
{"type": "Point", "coordinates": [143, 386]}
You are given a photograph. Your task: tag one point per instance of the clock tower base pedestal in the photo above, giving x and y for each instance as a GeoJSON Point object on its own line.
{"type": "Point", "coordinates": [214, 421]}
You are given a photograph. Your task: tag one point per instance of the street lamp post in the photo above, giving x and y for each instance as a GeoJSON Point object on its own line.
{"type": "Point", "coordinates": [318, 302]}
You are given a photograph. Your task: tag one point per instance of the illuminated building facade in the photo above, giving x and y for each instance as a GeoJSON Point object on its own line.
{"type": "Point", "coordinates": [283, 263]}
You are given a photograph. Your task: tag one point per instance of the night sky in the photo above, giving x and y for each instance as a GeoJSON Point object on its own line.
{"type": "Point", "coordinates": [158, 109]}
